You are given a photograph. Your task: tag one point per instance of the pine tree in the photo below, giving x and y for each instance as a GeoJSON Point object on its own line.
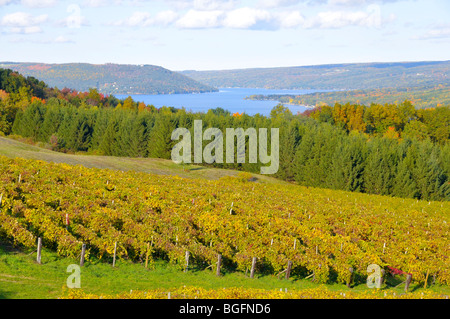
{"type": "Point", "coordinates": [348, 163]}
{"type": "Point", "coordinates": [380, 166]}
{"type": "Point", "coordinates": [160, 141]}
{"type": "Point", "coordinates": [404, 182]}
{"type": "Point", "coordinates": [51, 123]}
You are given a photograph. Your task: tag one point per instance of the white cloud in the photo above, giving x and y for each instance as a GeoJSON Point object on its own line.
{"type": "Point", "coordinates": [39, 3]}
{"type": "Point", "coordinates": [165, 18]}
{"type": "Point", "coordinates": [371, 18]}
{"type": "Point", "coordinates": [31, 3]}
{"type": "Point", "coordinates": [145, 19]}
{"type": "Point", "coordinates": [195, 19]}
{"type": "Point", "coordinates": [338, 19]}
{"type": "Point", "coordinates": [209, 5]}
{"type": "Point", "coordinates": [441, 32]}
{"type": "Point", "coordinates": [290, 19]}
{"type": "Point", "coordinates": [278, 3]}
{"type": "Point", "coordinates": [22, 22]}
{"type": "Point", "coordinates": [62, 39]}
{"type": "Point", "coordinates": [244, 18]}
{"type": "Point", "coordinates": [202, 5]}
{"type": "Point", "coordinates": [138, 19]}
{"type": "Point", "coordinates": [100, 3]}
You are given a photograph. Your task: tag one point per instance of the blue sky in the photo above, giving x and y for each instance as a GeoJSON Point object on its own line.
{"type": "Point", "coordinates": [224, 34]}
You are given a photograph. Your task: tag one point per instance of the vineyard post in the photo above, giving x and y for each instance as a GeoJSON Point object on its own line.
{"type": "Point", "coordinates": [426, 279]}
{"type": "Point", "coordinates": [39, 248]}
{"type": "Point", "coordinates": [187, 261]}
{"type": "Point", "coordinates": [83, 251]}
{"type": "Point", "coordinates": [219, 262]}
{"type": "Point", "coordinates": [350, 277]}
{"type": "Point", "coordinates": [115, 250]}
{"type": "Point", "coordinates": [146, 257]}
{"type": "Point", "coordinates": [408, 281]}
{"type": "Point", "coordinates": [288, 270]}
{"type": "Point", "coordinates": [252, 272]}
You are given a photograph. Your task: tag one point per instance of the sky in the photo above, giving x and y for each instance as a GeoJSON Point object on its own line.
{"type": "Point", "coordinates": [224, 34]}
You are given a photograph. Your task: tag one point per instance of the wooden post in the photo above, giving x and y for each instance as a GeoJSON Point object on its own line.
{"type": "Point", "coordinates": [408, 281]}
{"type": "Point", "coordinates": [288, 270]}
{"type": "Point", "coordinates": [187, 261]}
{"type": "Point", "coordinates": [39, 248]}
{"type": "Point", "coordinates": [219, 263]}
{"type": "Point", "coordinates": [146, 257]}
{"type": "Point", "coordinates": [115, 250]}
{"type": "Point", "coordinates": [383, 276]}
{"type": "Point", "coordinates": [83, 251]}
{"type": "Point", "coordinates": [426, 279]}
{"type": "Point", "coordinates": [350, 277]}
{"type": "Point", "coordinates": [252, 272]}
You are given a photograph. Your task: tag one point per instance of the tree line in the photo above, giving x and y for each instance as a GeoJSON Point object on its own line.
{"type": "Point", "coordinates": [330, 148]}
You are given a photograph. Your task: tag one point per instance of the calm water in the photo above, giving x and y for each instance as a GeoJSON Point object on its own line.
{"type": "Point", "coordinates": [231, 99]}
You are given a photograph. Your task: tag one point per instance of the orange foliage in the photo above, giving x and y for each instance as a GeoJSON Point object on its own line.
{"type": "Point", "coordinates": [36, 99]}
{"type": "Point", "coordinates": [3, 95]}
{"type": "Point", "coordinates": [391, 133]}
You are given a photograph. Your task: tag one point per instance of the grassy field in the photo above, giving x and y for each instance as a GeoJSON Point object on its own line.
{"type": "Point", "coordinates": [21, 277]}
{"type": "Point", "coordinates": [13, 148]}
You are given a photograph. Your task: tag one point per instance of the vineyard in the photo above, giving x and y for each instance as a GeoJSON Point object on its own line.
{"type": "Point", "coordinates": [328, 236]}
{"type": "Point", "coordinates": [320, 292]}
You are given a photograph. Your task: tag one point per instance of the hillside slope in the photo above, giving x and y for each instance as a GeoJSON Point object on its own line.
{"type": "Point", "coordinates": [332, 76]}
{"type": "Point", "coordinates": [111, 78]}
{"type": "Point", "coordinates": [12, 149]}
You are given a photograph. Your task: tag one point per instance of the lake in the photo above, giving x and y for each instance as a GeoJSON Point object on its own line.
{"type": "Point", "coordinates": [230, 99]}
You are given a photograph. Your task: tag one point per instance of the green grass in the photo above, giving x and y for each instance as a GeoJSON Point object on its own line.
{"type": "Point", "coordinates": [21, 277]}
{"type": "Point", "coordinates": [13, 148]}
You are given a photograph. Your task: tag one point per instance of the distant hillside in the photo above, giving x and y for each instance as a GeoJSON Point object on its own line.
{"type": "Point", "coordinates": [332, 77]}
{"type": "Point", "coordinates": [111, 78]}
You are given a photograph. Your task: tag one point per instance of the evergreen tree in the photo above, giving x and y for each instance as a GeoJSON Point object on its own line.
{"type": "Point", "coordinates": [80, 131]}
{"type": "Point", "coordinates": [109, 144]}
{"type": "Point", "coordinates": [101, 122]}
{"type": "Point", "coordinates": [51, 123]}
{"type": "Point", "coordinates": [160, 142]}
{"type": "Point", "coordinates": [404, 182]}
{"type": "Point", "coordinates": [380, 166]}
{"type": "Point", "coordinates": [64, 130]}
{"type": "Point", "coordinates": [30, 122]}
{"type": "Point", "coordinates": [348, 164]}
{"type": "Point", "coordinates": [432, 181]}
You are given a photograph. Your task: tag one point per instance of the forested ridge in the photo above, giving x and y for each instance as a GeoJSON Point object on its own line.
{"type": "Point", "coordinates": [421, 97]}
{"type": "Point", "coordinates": [390, 149]}
{"type": "Point", "coordinates": [352, 76]}
{"type": "Point", "coordinates": [111, 78]}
